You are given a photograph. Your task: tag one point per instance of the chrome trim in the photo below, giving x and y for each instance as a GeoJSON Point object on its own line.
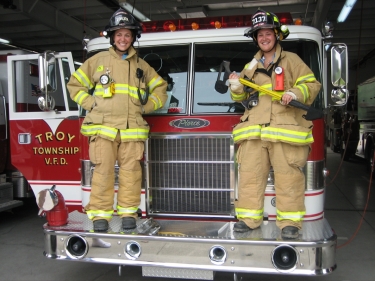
{"type": "Point", "coordinates": [217, 254]}
{"type": "Point", "coordinates": [132, 250]}
{"type": "Point", "coordinates": [86, 172]}
{"type": "Point", "coordinates": [314, 171]}
{"type": "Point", "coordinates": [69, 248]}
{"type": "Point", "coordinates": [184, 178]}
{"type": "Point", "coordinates": [278, 259]}
{"type": "Point", "coordinates": [191, 189]}
{"type": "Point", "coordinates": [186, 244]}
{"type": "Point", "coordinates": [23, 138]}
{"type": "Point", "coordinates": [314, 175]}
{"type": "Point", "coordinates": [177, 166]}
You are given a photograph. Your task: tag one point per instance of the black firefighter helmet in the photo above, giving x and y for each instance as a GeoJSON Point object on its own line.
{"type": "Point", "coordinates": [262, 19]}
{"type": "Point", "coordinates": [122, 19]}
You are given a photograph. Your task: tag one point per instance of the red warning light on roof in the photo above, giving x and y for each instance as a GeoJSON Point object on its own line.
{"type": "Point", "coordinates": [207, 23]}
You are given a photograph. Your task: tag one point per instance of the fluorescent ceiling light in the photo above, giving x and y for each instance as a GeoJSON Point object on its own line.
{"type": "Point", "coordinates": [346, 10]}
{"type": "Point", "coordinates": [134, 11]}
{"type": "Point", "coordinates": [189, 13]}
{"type": "Point", "coordinates": [4, 41]}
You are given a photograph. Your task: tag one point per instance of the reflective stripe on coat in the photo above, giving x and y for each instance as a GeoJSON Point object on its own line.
{"type": "Point", "coordinates": [270, 120]}
{"type": "Point", "coordinates": [121, 109]}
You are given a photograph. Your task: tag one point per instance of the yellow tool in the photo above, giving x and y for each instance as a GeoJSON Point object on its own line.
{"type": "Point", "coordinates": [220, 86]}
{"type": "Point", "coordinates": [260, 88]}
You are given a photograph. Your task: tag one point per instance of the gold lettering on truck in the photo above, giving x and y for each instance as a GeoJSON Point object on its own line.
{"type": "Point", "coordinates": [53, 154]}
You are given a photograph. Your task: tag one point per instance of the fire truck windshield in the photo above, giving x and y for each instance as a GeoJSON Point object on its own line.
{"type": "Point", "coordinates": [192, 89]}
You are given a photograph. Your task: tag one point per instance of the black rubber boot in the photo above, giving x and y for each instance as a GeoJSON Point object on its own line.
{"type": "Point", "coordinates": [128, 223]}
{"type": "Point", "coordinates": [289, 232]}
{"type": "Point", "coordinates": [240, 226]}
{"type": "Point", "coordinates": [100, 225]}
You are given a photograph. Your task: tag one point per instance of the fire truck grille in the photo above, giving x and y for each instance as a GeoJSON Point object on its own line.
{"type": "Point", "coordinates": [190, 175]}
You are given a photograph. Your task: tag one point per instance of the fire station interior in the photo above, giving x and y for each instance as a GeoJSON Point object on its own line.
{"type": "Point", "coordinates": [65, 26]}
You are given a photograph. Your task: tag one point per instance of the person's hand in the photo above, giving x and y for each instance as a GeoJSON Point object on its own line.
{"type": "Point", "coordinates": [234, 82]}
{"type": "Point", "coordinates": [287, 97]}
{"type": "Point", "coordinates": [234, 75]}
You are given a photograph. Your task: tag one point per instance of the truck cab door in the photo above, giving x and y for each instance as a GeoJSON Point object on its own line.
{"type": "Point", "coordinates": [24, 87]}
{"type": "Point", "coordinates": [44, 141]}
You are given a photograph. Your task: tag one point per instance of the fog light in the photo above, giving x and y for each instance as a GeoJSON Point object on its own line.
{"type": "Point", "coordinates": [76, 247]}
{"type": "Point", "coordinates": [132, 250]}
{"type": "Point", "coordinates": [218, 255]}
{"type": "Point", "coordinates": [284, 258]}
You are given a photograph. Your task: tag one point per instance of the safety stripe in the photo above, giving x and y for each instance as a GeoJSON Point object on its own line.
{"type": "Point", "coordinates": [300, 84]}
{"type": "Point", "coordinates": [99, 213]}
{"type": "Point", "coordinates": [245, 133]}
{"type": "Point", "coordinates": [121, 89]}
{"type": "Point", "coordinates": [238, 97]}
{"type": "Point", "coordinates": [287, 135]}
{"type": "Point", "coordinates": [247, 213]}
{"type": "Point", "coordinates": [83, 79]}
{"type": "Point", "coordinates": [272, 133]}
{"type": "Point", "coordinates": [293, 216]}
{"type": "Point", "coordinates": [157, 102]}
{"type": "Point", "coordinates": [122, 211]}
{"type": "Point", "coordinates": [307, 78]}
{"type": "Point", "coordinates": [101, 130]}
{"type": "Point", "coordinates": [92, 130]}
{"type": "Point", "coordinates": [79, 98]}
{"type": "Point", "coordinates": [304, 90]}
{"type": "Point", "coordinates": [134, 134]}
{"type": "Point", "coordinates": [154, 82]}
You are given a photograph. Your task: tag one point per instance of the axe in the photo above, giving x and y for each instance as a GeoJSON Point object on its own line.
{"type": "Point", "coordinates": [220, 86]}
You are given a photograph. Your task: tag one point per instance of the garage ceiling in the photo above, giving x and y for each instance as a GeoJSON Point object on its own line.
{"type": "Point", "coordinates": [60, 25]}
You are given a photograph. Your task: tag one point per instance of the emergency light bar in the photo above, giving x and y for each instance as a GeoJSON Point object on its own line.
{"type": "Point", "coordinates": [207, 23]}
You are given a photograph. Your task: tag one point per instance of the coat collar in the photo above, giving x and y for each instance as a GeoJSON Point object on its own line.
{"type": "Point", "coordinates": [278, 53]}
{"type": "Point", "coordinates": [131, 52]}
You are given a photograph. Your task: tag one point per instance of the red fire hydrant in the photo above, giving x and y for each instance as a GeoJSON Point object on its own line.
{"type": "Point", "coordinates": [52, 204]}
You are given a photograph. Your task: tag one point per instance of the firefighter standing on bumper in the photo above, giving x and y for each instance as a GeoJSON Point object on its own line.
{"type": "Point", "coordinates": [124, 86]}
{"type": "Point", "coordinates": [273, 133]}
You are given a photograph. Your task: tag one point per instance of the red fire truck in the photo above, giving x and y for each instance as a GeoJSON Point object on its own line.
{"type": "Point", "coordinates": [185, 229]}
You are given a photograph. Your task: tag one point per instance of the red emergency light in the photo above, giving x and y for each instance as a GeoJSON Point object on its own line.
{"type": "Point", "coordinates": [206, 23]}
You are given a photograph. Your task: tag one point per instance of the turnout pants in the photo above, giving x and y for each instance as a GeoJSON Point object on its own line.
{"type": "Point", "coordinates": [255, 158]}
{"type": "Point", "coordinates": [104, 154]}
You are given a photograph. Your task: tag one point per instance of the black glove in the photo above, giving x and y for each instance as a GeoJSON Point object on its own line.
{"type": "Point", "coordinates": [251, 101]}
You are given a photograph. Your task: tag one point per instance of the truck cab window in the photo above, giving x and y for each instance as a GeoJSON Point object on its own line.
{"type": "Point", "coordinates": [207, 60]}
{"type": "Point", "coordinates": [27, 89]}
{"type": "Point", "coordinates": [172, 64]}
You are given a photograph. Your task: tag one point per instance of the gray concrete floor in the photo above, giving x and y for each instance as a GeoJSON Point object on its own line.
{"type": "Point", "coordinates": [21, 238]}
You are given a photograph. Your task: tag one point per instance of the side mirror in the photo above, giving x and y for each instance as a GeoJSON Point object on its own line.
{"type": "Point", "coordinates": [339, 74]}
{"type": "Point", "coordinates": [47, 79]}
{"type": "Point", "coordinates": [47, 71]}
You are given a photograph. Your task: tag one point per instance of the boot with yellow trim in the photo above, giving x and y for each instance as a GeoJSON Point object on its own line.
{"type": "Point", "coordinates": [128, 223]}
{"type": "Point", "coordinates": [289, 232]}
{"type": "Point", "coordinates": [241, 226]}
{"type": "Point", "coordinates": [100, 225]}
